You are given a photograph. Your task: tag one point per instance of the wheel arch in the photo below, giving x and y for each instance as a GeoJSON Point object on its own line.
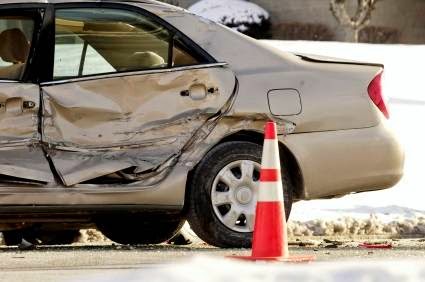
{"type": "Point", "coordinates": [295, 173]}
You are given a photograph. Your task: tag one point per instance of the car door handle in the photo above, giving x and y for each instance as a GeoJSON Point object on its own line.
{"type": "Point", "coordinates": [198, 92]}
{"type": "Point", "coordinates": [185, 93]}
{"type": "Point", "coordinates": [28, 105]}
{"type": "Point", "coordinates": [17, 105]}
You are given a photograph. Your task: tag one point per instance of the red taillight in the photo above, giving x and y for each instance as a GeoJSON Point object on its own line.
{"type": "Point", "coordinates": [375, 94]}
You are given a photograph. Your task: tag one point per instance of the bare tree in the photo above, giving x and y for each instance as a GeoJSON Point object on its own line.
{"type": "Point", "coordinates": [360, 19]}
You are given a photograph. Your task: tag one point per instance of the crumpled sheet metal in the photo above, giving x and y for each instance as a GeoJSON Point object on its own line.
{"type": "Point", "coordinates": [26, 162]}
{"type": "Point", "coordinates": [116, 111]}
{"type": "Point", "coordinates": [77, 167]}
{"type": "Point", "coordinates": [229, 125]}
{"type": "Point", "coordinates": [168, 193]}
{"type": "Point", "coordinates": [96, 128]}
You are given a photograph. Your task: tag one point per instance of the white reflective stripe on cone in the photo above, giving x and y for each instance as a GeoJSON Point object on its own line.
{"type": "Point", "coordinates": [270, 192]}
{"type": "Point", "coordinates": [270, 155]}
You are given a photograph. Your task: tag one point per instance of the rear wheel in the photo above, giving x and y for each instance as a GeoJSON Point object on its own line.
{"type": "Point", "coordinates": [223, 194]}
{"type": "Point", "coordinates": [139, 230]}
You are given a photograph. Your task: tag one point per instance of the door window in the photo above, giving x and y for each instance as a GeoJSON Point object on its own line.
{"type": "Point", "coordinates": [91, 41]}
{"type": "Point", "coordinates": [15, 40]}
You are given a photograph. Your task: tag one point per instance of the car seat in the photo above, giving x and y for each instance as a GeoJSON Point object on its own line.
{"type": "Point", "coordinates": [14, 48]}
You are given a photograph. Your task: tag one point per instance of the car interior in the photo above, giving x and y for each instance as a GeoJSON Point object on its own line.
{"type": "Point", "coordinates": [14, 50]}
{"type": "Point", "coordinates": [115, 46]}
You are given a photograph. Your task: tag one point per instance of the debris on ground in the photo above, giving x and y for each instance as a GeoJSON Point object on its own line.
{"type": "Point", "coordinates": [25, 245]}
{"type": "Point", "coordinates": [376, 246]}
{"type": "Point", "coordinates": [304, 243]}
{"type": "Point", "coordinates": [334, 242]}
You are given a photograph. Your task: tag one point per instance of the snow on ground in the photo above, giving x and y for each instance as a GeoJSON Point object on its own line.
{"type": "Point", "coordinates": [216, 269]}
{"type": "Point", "coordinates": [230, 12]}
{"type": "Point", "coordinates": [404, 88]}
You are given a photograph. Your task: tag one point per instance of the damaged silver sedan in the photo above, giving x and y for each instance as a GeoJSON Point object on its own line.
{"type": "Point", "coordinates": [133, 116]}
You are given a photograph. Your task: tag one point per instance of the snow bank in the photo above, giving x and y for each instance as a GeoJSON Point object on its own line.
{"type": "Point", "coordinates": [90, 236]}
{"type": "Point", "coordinates": [392, 221]}
{"type": "Point", "coordinates": [349, 226]}
{"type": "Point", "coordinates": [230, 12]}
{"type": "Point", "coordinates": [216, 269]}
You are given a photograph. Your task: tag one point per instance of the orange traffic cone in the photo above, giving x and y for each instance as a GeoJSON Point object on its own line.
{"type": "Point", "coordinates": [270, 241]}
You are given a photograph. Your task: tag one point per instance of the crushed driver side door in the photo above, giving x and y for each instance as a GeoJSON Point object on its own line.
{"type": "Point", "coordinates": [127, 95]}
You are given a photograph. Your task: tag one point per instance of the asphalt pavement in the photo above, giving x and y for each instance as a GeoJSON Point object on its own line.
{"type": "Point", "coordinates": [136, 263]}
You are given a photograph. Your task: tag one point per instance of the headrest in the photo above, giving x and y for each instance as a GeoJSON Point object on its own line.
{"type": "Point", "coordinates": [146, 60]}
{"type": "Point", "coordinates": [14, 46]}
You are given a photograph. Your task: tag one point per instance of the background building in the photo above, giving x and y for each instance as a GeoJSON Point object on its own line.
{"type": "Point", "coordinates": [393, 21]}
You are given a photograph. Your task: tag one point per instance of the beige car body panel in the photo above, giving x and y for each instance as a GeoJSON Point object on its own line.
{"type": "Point", "coordinates": [104, 134]}
{"type": "Point", "coordinates": [340, 162]}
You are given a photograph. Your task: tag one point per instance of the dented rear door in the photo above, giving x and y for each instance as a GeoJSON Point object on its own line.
{"type": "Point", "coordinates": [124, 108]}
{"type": "Point", "coordinates": [129, 124]}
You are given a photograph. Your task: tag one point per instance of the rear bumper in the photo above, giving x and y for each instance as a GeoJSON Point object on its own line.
{"type": "Point", "coordinates": [336, 163]}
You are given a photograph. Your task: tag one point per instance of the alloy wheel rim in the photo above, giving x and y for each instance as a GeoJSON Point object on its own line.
{"type": "Point", "coordinates": [234, 195]}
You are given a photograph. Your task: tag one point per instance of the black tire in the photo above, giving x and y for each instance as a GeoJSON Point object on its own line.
{"type": "Point", "coordinates": [201, 214]}
{"type": "Point", "coordinates": [12, 237]}
{"type": "Point", "coordinates": [140, 230]}
{"type": "Point", "coordinates": [41, 237]}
